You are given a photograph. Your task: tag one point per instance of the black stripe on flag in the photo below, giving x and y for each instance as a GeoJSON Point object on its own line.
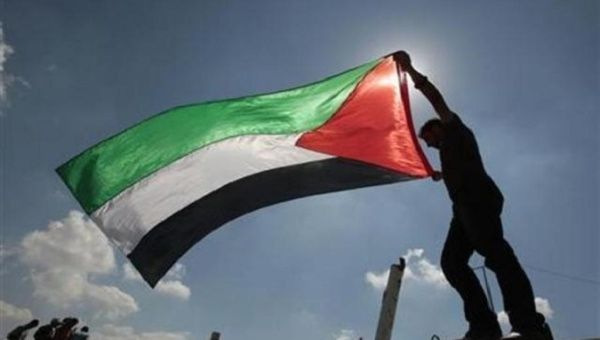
{"type": "Point", "coordinates": [162, 246]}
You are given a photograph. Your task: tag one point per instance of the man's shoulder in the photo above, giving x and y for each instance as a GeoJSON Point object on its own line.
{"type": "Point", "coordinates": [453, 118]}
{"type": "Point", "coordinates": [456, 130]}
{"type": "Point", "coordinates": [454, 123]}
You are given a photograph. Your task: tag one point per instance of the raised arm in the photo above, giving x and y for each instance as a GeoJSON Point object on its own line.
{"type": "Point", "coordinates": [428, 89]}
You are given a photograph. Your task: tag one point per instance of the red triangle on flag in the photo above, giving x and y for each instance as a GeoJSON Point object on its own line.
{"type": "Point", "coordinates": [374, 125]}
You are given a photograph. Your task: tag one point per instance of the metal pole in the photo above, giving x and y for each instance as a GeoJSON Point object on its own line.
{"type": "Point", "coordinates": [487, 286]}
{"type": "Point", "coordinates": [390, 301]}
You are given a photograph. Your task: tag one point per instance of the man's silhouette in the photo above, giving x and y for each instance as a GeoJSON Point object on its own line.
{"type": "Point", "coordinates": [20, 333]}
{"type": "Point", "coordinates": [64, 331]}
{"type": "Point", "coordinates": [476, 224]}
{"type": "Point", "coordinates": [46, 332]}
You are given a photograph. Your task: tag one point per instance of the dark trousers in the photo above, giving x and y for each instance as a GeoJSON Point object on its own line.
{"type": "Point", "coordinates": [477, 226]}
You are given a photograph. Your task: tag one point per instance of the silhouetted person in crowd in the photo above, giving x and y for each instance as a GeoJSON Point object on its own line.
{"type": "Point", "coordinates": [81, 334]}
{"type": "Point", "coordinates": [64, 331]}
{"type": "Point", "coordinates": [46, 332]}
{"type": "Point", "coordinates": [476, 224]}
{"type": "Point", "coordinates": [20, 333]}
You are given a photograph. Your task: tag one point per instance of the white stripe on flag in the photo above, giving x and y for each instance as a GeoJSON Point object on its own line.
{"type": "Point", "coordinates": [130, 215]}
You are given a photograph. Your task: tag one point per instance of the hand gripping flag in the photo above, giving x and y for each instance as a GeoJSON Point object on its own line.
{"type": "Point", "coordinates": [162, 185]}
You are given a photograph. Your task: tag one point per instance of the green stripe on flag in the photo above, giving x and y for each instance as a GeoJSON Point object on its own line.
{"type": "Point", "coordinates": [106, 169]}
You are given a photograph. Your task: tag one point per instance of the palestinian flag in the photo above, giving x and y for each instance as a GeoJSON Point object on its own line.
{"type": "Point", "coordinates": [162, 185]}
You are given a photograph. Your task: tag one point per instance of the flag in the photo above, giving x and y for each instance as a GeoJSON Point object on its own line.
{"type": "Point", "coordinates": [159, 187]}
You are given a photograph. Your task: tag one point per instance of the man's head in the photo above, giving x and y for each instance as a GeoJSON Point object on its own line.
{"type": "Point", "coordinates": [432, 133]}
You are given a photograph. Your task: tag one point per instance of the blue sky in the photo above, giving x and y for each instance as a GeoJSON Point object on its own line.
{"type": "Point", "coordinates": [523, 75]}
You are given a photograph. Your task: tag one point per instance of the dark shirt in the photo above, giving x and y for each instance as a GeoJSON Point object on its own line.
{"type": "Point", "coordinates": [64, 331]}
{"type": "Point", "coordinates": [45, 332]}
{"type": "Point", "coordinates": [464, 175]}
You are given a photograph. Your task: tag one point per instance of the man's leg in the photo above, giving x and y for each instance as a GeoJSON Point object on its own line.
{"type": "Point", "coordinates": [455, 264]}
{"type": "Point", "coordinates": [515, 286]}
{"type": "Point", "coordinates": [484, 229]}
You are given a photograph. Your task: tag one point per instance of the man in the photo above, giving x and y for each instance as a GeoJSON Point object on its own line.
{"type": "Point", "coordinates": [46, 332]}
{"type": "Point", "coordinates": [64, 331]}
{"type": "Point", "coordinates": [20, 333]}
{"type": "Point", "coordinates": [476, 224]}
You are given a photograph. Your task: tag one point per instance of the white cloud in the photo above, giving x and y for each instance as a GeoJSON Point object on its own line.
{"type": "Point", "coordinates": [114, 332]}
{"type": "Point", "coordinates": [14, 313]}
{"type": "Point", "coordinates": [5, 78]}
{"type": "Point", "coordinates": [541, 305]}
{"type": "Point", "coordinates": [73, 243]}
{"type": "Point", "coordinates": [174, 288]}
{"type": "Point", "coordinates": [170, 285]}
{"type": "Point", "coordinates": [129, 273]}
{"type": "Point", "coordinates": [418, 252]}
{"type": "Point", "coordinates": [429, 273]}
{"type": "Point", "coordinates": [64, 258]}
{"type": "Point", "coordinates": [345, 334]}
{"type": "Point", "coordinates": [418, 269]}
{"type": "Point", "coordinates": [110, 302]}
{"type": "Point", "coordinates": [378, 280]}
{"type": "Point", "coordinates": [12, 316]}
{"type": "Point", "coordinates": [177, 272]}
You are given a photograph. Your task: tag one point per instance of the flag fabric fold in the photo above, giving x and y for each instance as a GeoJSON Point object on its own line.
{"type": "Point", "coordinates": [162, 185]}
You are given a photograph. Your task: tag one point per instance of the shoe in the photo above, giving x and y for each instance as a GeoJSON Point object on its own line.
{"type": "Point", "coordinates": [495, 334]}
{"type": "Point", "coordinates": [537, 334]}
